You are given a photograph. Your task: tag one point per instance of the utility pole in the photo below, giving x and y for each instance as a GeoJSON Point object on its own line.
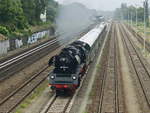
{"type": "Point", "coordinates": [146, 13]}
{"type": "Point", "coordinates": [128, 19]}
{"type": "Point", "coordinates": [131, 18]}
{"type": "Point", "coordinates": [144, 23]}
{"type": "Point", "coordinates": [136, 18]}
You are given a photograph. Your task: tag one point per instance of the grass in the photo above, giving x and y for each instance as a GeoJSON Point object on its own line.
{"type": "Point", "coordinates": [98, 66]}
{"type": "Point", "coordinates": [40, 27]}
{"type": "Point", "coordinates": [35, 94]}
{"type": "Point", "coordinates": [2, 37]}
{"type": "Point", "coordinates": [30, 30]}
{"type": "Point", "coordinates": [140, 29]}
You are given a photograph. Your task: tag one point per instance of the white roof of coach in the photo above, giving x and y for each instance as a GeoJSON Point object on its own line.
{"type": "Point", "coordinates": [92, 35]}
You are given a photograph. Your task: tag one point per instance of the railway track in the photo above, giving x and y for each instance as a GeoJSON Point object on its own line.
{"type": "Point", "coordinates": [116, 73]}
{"type": "Point", "coordinates": [26, 54]}
{"type": "Point", "coordinates": [111, 92]}
{"type": "Point", "coordinates": [19, 62]}
{"type": "Point", "coordinates": [9, 103]}
{"type": "Point", "coordinates": [25, 50]}
{"type": "Point", "coordinates": [16, 97]}
{"type": "Point", "coordinates": [58, 104]}
{"type": "Point", "coordinates": [108, 96]}
{"type": "Point", "coordinates": [141, 70]}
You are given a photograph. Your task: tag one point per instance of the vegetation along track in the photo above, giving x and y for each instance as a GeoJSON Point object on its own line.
{"type": "Point", "coordinates": [141, 70]}
{"type": "Point", "coordinates": [139, 38]}
{"type": "Point", "coordinates": [17, 96]}
{"type": "Point", "coordinates": [107, 90]}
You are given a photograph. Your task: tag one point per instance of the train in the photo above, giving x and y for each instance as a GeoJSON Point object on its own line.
{"type": "Point", "coordinates": [71, 64]}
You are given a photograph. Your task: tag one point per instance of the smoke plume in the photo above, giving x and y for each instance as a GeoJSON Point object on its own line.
{"type": "Point", "coordinates": [72, 19]}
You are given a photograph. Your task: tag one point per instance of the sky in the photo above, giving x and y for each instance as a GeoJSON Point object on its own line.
{"type": "Point", "coordinates": [105, 5]}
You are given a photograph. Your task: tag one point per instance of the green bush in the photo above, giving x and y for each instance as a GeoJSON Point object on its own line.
{"type": "Point", "coordinates": [4, 31]}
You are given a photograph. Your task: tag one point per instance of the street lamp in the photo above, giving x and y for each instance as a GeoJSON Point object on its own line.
{"type": "Point", "coordinates": [136, 17]}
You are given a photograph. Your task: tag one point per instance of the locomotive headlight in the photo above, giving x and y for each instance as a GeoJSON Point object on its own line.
{"type": "Point", "coordinates": [74, 78]}
{"type": "Point", "coordinates": [52, 77]}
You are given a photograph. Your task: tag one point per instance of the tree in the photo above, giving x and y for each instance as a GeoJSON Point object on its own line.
{"type": "Point", "coordinates": [125, 12]}
{"type": "Point", "coordinates": [40, 7]}
{"type": "Point", "coordinates": [33, 9]}
{"type": "Point", "coordinates": [51, 9]}
{"type": "Point", "coordinates": [29, 10]}
{"type": "Point", "coordinates": [17, 15]}
{"type": "Point", "coordinates": [4, 31]}
{"type": "Point", "coordinates": [11, 15]}
{"type": "Point", "coordinates": [140, 14]}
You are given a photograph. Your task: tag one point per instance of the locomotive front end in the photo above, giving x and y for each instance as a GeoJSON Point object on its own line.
{"type": "Point", "coordinates": [63, 81]}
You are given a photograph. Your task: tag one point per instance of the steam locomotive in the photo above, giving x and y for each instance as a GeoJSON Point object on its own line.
{"type": "Point", "coordinates": [71, 63]}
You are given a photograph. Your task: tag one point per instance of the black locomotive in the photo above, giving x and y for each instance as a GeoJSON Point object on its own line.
{"type": "Point", "coordinates": [71, 63]}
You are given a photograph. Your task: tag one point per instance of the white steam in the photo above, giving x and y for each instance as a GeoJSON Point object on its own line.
{"type": "Point", "coordinates": [73, 19]}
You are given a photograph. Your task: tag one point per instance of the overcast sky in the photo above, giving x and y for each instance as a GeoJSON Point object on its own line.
{"type": "Point", "coordinates": [106, 5]}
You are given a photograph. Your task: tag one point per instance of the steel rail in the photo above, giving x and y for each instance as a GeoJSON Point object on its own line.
{"type": "Point", "coordinates": [116, 72]}
{"type": "Point", "coordinates": [21, 92]}
{"type": "Point", "coordinates": [102, 88]}
{"type": "Point", "coordinates": [134, 65]}
{"type": "Point", "coordinates": [26, 54]}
